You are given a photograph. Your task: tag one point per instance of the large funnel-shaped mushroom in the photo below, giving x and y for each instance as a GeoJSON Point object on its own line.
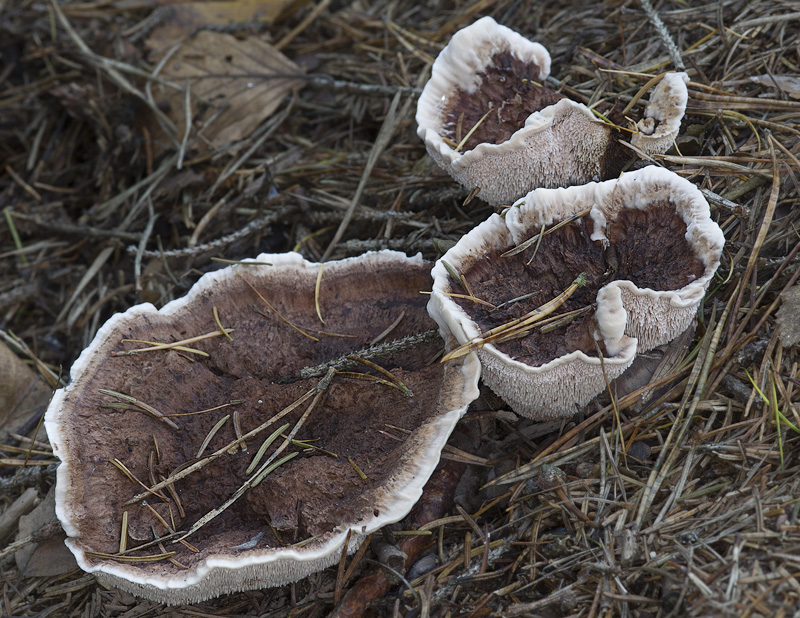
{"type": "Point", "coordinates": [491, 79]}
{"type": "Point", "coordinates": [346, 471]}
{"type": "Point", "coordinates": [647, 248]}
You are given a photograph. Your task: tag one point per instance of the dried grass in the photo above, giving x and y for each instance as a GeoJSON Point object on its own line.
{"type": "Point", "coordinates": [684, 505]}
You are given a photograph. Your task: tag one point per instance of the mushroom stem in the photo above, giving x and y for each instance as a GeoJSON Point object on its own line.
{"type": "Point", "coordinates": [516, 327]}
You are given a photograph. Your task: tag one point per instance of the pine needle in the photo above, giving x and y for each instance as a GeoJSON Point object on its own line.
{"type": "Point", "coordinates": [518, 326]}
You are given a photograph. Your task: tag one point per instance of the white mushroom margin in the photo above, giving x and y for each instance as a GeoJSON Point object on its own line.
{"type": "Point", "coordinates": [648, 318]}
{"type": "Point", "coordinates": [567, 132]}
{"type": "Point", "coordinates": [656, 317]}
{"type": "Point", "coordinates": [226, 572]}
{"type": "Point", "coordinates": [555, 389]}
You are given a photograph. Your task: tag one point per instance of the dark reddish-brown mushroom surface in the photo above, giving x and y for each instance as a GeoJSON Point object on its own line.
{"type": "Point", "coordinates": [367, 441]}
{"type": "Point", "coordinates": [647, 247]}
{"type": "Point", "coordinates": [490, 119]}
{"type": "Point", "coordinates": [508, 91]}
{"type": "Point", "coordinates": [621, 265]}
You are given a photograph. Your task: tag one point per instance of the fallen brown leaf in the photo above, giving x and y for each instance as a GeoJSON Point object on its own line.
{"type": "Point", "coordinates": [181, 20]}
{"type": "Point", "coordinates": [234, 84]}
{"type": "Point", "coordinates": [49, 557]}
{"type": "Point", "coordinates": [22, 392]}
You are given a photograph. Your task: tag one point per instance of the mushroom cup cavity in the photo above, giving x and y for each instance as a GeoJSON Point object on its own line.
{"type": "Point", "coordinates": [526, 135]}
{"type": "Point", "coordinates": [350, 472]}
{"type": "Point", "coordinates": [648, 249]}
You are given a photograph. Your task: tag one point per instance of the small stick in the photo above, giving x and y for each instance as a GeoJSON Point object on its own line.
{"type": "Point", "coordinates": [375, 351]}
{"type": "Point", "coordinates": [263, 449]}
{"type": "Point", "coordinates": [558, 321]}
{"type": "Point", "coordinates": [385, 372]}
{"type": "Point", "coordinates": [166, 346]}
{"type": "Point", "coordinates": [123, 537]}
{"type": "Point", "coordinates": [474, 299]}
{"type": "Point", "coordinates": [320, 389]}
{"type": "Point", "coordinates": [454, 274]}
{"type": "Point", "coordinates": [232, 402]}
{"type": "Point", "coordinates": [222, 329]}
{"type": "Point", "coordinates": [471, 131]}
{"type": "Point", "coordinates": [661, 29]}
{"type": "Point", "coordinates": [176, 498]}
{"type": "Point", "coordinates": [337, 594]}
{"type": "Point", "coordinates": [535, 239]}
{"type": "Point", "coordinates": [358, 470]}
{"type": "Point", "coordinates": [355, 375]}
{"type": "Point", "coordinates": [133, 479]}
{"type": "Point", "coordinates": [391, 327]}
{"type": "Point", "coordinates": [316, 291]}
{"type": "Point", "coordinates": [650, 83]}
{"type": "Point", "coordinates": [218, 453]}
{"type": "Point", "coordinates": [538, 244]}
{"type": "Point", "coordinates": [272, 467]}
{"type": "Point", "coordinates": [139, 559]}
{"type": "Point", "coordinates": [274, 310]}
{"type": "Point", "coordinates": [237, 429]}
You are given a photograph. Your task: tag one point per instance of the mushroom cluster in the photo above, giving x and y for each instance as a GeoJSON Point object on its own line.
{"type": "Point", "coordinates": [201, 455]}
{"type": "Point", "coordinates": [246, 434]}
{"type": "Point", "coordinates": [559, 293]}
{"type": "Point", "coordinates": [488, 119]}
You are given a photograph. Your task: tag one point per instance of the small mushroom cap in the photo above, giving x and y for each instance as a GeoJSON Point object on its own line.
{"type": "Point", "coordinates": [360, 298]}
{"type": "Point", "coordinates": [561, 143]}
{"type": "Point", "coordinates": [663, 114]}
{"type": "Point", "coordinates": [566, 132]}
{"type": "Point", "coordinates": [656, 317]}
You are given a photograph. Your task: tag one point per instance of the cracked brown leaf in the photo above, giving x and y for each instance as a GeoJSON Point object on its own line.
{"type": "Point", "coordinates": [234, 84]}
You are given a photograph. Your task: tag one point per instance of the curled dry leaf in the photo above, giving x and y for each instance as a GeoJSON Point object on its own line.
{"type": "Point", "coordinates": [181, 19]}
{"type": "Point", "coordinates": [48, 557]}
{"type": "Point", "coordinates": [22, 392]}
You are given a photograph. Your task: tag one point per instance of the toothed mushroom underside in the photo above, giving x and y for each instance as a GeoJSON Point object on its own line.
{"type": "Point", "coordinates": [488, 119]}
{"type": "Point", "coordinates": [363, 454]}
{"type": "Point", "coordinates": [648, 249]}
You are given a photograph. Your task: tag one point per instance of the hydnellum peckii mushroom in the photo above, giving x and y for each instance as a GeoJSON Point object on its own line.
{"type": "Point", "coordinates": [489, 120]}
{"type": "Point", "coordinates": [163, 487]}
{"type": "Point", "coordinates": [554, 295]}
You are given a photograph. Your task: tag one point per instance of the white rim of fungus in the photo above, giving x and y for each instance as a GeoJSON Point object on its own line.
{"type": "Point", "coordinates": [224, 574]}
{"type": "Point", "coordinates": [665, 110]}
{"type": "Point", "coordinates": [643, 308]}
{"type": "Point", "coordinates": [637, 190]}
{"type": "Point", "coordinates": [458, 66]}
{"type": "Point", "coordinates": [453, 319]}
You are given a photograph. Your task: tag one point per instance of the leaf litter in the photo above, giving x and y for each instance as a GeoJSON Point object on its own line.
{"type": "Point", "coordinates": [704, 523]}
